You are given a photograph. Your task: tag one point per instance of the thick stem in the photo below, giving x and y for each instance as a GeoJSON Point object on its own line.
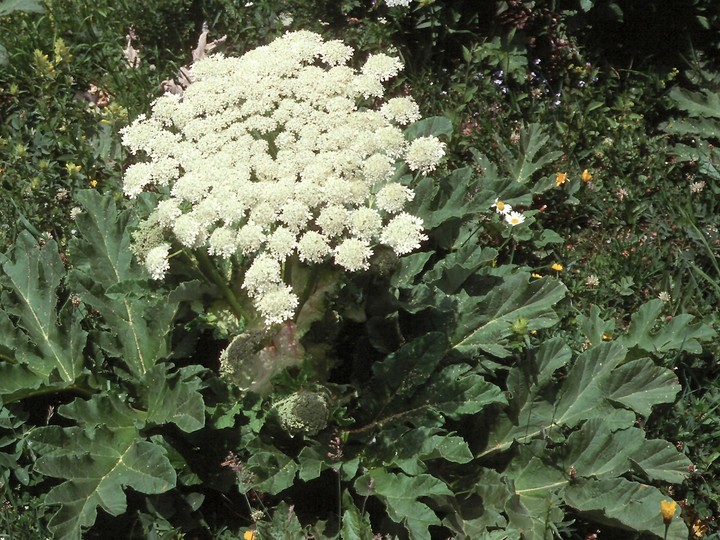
{"type": "Point", "coordinates": [208, 268]}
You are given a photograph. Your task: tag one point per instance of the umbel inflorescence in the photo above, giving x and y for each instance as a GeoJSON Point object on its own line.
{"type": "Point", "coordinates": [270, 156]}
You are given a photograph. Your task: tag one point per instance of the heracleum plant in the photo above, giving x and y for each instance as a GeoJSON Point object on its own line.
{"type": "Point", "coordinates": [283, 181]}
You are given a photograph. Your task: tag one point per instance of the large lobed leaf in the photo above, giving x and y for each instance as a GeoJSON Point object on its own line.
{"type": "Point", "coordinates": [411, 384]}
{"type": "Point", "coordinates": [531, 160]}
{"type": "Point", "coordinates": [47, 342]}
{"type": "Point", "coordinates": [98, 464]}
{"type": "Point", "coordinates": [598, 385]}
{"type": "Point", "coordinates": [623, 504]}
{"type": "Point", "coordinates": [107, 278]}
{"type": "Point", "coordinates": [400, 493]}
{"type": "Point", "coordinates": [30, 6]}
{"type": "Point", "coordinates": [483, 322]}
{"type": "Point", "coordinates": [680, 333]}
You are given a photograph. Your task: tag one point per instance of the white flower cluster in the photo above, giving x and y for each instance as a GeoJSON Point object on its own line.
{"type": "Point", "coordinates": [270, 156]}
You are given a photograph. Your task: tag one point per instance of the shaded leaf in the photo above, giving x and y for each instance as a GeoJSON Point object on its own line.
{"type": "Point", "coordinates": [400, 493]}
{"type": "Point", "coordinates": [97, 464]}
{"type": "Point", "coordinates": [704, 103]}
{"type": "Point", "coordinates": [274, 471]}
{"type": "Point", "coordinates": [451, 272]}
{"type": "Point", "coordinates": [174, 397]}
{"type": "Point", "coordinates": [355, 526]}
{"type": "Point", "coordinates": [284, 524]}
{"type": "Point", "coordinates": [532, 141]}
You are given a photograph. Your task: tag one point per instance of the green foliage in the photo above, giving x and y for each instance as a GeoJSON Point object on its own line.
{"type": "Point", "coordinates": [454, 393]}
{"type": "Point", "coordinates": [53, 352]}
{"type": "Point", "coordinates": [107, 449]}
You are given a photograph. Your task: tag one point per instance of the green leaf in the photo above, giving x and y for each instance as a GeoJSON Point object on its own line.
{"type": "Point", "coordinates": [660, 460]}
{"type": "Point", "coordinates": [52, 342]}
{"type": "Point", "coordinates": [30, 6]}
{"type": "Point", "coordinates": [138, 327]}
{"type": "Point", "coordinates": [97, 464]}
{"type": "Point", "coordinates": [108, 410]}
{"type": "Point", "coordinates": [407, 386]}
{"type": "Point", "coordinates": [704, 103]}
{"type": "Point", "coordinates": [597, 386]}
{"type": "Point", "coordinates": [598, 451]}
{"type": "Point", "coordinates": [536, 483]}
{"type": "Point", "coordinates": [410, 267]}
{"type": "Point", "coordinates": [594, 327]}
{"type": "Point", "coordinates": [677, 335]}
{"type": "Point", "coordinates": [410, 449]}
{"type": "Point", "coordinates": [620, 503]}
{"type": "Point", "coordinates": [659, 385]}
{"type": "Point", "coordinates": [485, 321]}
{"type": "Point", "coordinates": [532, 141]}
{"type": "Point", "coordinates": [471, 516]}
{"type": "Point", "coordinates": [451, 201]}
{"type": "Point", "coordinates": [355, 526]}
{"type": "Point", "coordinates": [284, 524]}
{"type": "Point", "coordinates": [457, 391]}
{"type": "Point", "coordinates": [400, 493]}
{"type": "Point", "coordinates": [434, 125]}
{"type": "Point", "coordinates": [274, 470]}
{"type": "Point", "coordinates": [409, 368]}
{"type": "Point", "coordinates": [452, 271]}
{"type": "Point", "coordinates": [581, 397]}
{"type": "Point", "coordinates": [17, 381]}
{"type": "Point", "coordinates": [174, 397]}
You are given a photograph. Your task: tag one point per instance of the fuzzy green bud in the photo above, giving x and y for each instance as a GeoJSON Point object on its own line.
{"type": "Point", "coordinates": [520, 327]}
{"type": "Point", "coordinates": [303, 413]}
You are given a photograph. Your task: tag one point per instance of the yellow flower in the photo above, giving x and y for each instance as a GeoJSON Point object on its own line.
{"type": "Point", "coordinates": [557, 267]}
{"type": "Point", "coordinates": [537, 276]}
{"type": "Point", "coordinates": [93, 183]}
{"type": "Point", "coordinates": [700, 528]}
{"type": "Point", "coordinates": [560, 179]}
{"type": "Point", "coordinates": [249, 535]}
{"type": "Point", "coordinates": [667, 509]}
{"type": "Point", "coordinates": [586, 176]}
